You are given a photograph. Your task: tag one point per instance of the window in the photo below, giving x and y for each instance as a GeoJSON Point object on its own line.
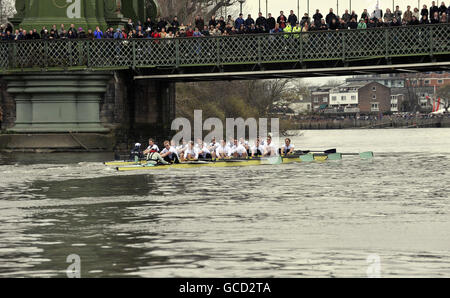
{"type": "Point", "coordinates": [375, 107]}
{"type": "Point", "coordinates": [394, 106]}
{"type": "Point", "coordinates": [316, 99]}
{"type": "Point", "coordinates": [343, 98]}
{"type": "Point", "coordinates": [427, 82]}
{"type": "Point", "coordinates": [440, 81]}
{"type": "Point", "coordinates": [333, 98]}
{"type": "Point", "coordinates": [353, 97]}
{"type": "Point", "coordinates": [374, 88]}
{"type": "Point", "coordinates": [374, 96]}
{"type": "Point", "coordinates": [325, 99]}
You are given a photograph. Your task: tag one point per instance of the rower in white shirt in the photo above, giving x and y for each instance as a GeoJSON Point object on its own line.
{"type": "Point", "coordinates": [270, 149]}
{"type": "Point", "coordinates": [223, 151]}
{"type": "Point", "coordinates": [181, 148]}
{"type": "Point", "coordinates": [212, 147]}
{"type": "Point", "coordinates": [287, 148]}
{"type": "Point", "coordinates": [244, 143]}
{"type": "Point", "coordinates": [203, 151]}
{"type": "Point", "coordinates": [230, 143]}
{"type": "Point", "coordinates": [191, 152]}
{"type": "Point", "coordinates": [238, 150]}
{"type": "Point", "coordinates": [169, 153]}
{"type": "Point", "coordinates": [152, 147]}
{"type": "Point", "coordinates": [257, 149]}
{"type": "Point", "coordinates": [262, 141]}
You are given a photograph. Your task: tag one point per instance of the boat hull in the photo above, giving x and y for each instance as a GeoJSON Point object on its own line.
{"type": "Point", "coordinates": [230, 163]}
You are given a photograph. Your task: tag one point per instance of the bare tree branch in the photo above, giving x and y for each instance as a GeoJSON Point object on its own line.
{"type": "Point", "coordinates": [186, 10]}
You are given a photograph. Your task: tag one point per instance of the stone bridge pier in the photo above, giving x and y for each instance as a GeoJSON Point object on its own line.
{"type": "Point", "coordinates": [83, 111]}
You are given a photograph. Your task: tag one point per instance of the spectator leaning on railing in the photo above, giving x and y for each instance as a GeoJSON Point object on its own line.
{"type": "Point", "coordinates": [161, 28]}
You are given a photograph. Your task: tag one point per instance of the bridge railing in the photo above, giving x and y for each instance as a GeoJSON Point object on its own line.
{"type": "Point", "coordinates": [343, 45]}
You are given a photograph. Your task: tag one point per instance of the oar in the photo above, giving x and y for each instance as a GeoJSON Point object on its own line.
{"type": "Point", "coordinates": [363, 155]}
{"type": "Point", "coordinates": [329, 151]}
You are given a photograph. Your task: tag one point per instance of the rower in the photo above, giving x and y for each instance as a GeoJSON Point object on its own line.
{"type": "Point", "coordinates": [203, 151]}
{"type": "Point", "coordinates": [223, 151]}
{"type": "Point", "coordinates": [191, 153]}
{"type": "Point", "coordinates": [270, 149]}
{"type": "Point", "coordinates": [238, 150]}
{"type": "Point", "coordinates": [262, 141]}
{"type": "Point", "coordinates": [257, 149]}
{"type": "Point", "coordinates": [230, 143]}
{"type": "Point", "coordinates": [287, 148]}
{"type": "Point", "coordinates": [169, 153]}
{"type": "Point", "coordinates": [153, 156]}
{"type": "Point", "coordinates": [152, 147]}
{"type": "Point", "coordinates": [212, 147]}
{"type": "Point", "coordinates": [244, 143]}
{"type": "Point", "coordinates": [181, 148]}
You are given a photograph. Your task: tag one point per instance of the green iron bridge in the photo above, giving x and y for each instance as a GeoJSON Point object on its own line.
{"type": "Point", "coordinates": [344, 52]}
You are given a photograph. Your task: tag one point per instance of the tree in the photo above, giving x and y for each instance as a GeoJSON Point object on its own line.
{"type": "Point", "coordinates": [415, 85]}
{"type": "Point", "coordinates": [246, 99]}
{"type": "Point", "coordinates": [7, 10]}
{"type": "Point", "coordinates": [333, 83]}
{"type": "Point", "coordinates": [186, 10]}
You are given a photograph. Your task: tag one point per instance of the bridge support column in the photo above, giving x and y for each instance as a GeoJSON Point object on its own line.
{"type": "Point", "coordinates": [154, 108]}
{"type": "Point", "coordinates": [58, 102]}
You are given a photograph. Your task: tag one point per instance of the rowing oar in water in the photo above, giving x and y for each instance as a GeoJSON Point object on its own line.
{"type": "Point", "coordinates": [363, 155]}
{"type": "Point", "coordinates": [333, 152]}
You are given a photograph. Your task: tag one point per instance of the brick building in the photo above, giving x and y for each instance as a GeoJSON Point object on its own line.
{"type": "Point", "coordinates": [374, 98]}
{"type": "Point", "coordinates": [410, 87]}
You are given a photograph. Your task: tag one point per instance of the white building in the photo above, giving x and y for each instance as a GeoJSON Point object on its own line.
{"type": "Point", "coordinates": [345, 95]}
{"type": "Point", "coordinates": [395, 102]}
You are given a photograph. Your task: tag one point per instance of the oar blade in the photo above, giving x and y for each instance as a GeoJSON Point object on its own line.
{"type": "Point", "coordinates": [307, 157]}
{"type": "Point", "coordinates": [366, 155]}
{"type": "Point", "coordinates": [335, 156]}
{"type": "Point", "coordinates": [330, 151]}
{"type": "Point", "coordinates": [276, 160]}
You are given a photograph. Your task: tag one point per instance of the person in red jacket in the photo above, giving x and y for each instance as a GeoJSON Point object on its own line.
{"type": "Point", "coordinates": [156, 34]}
{"type": "Point", "coordinates": [189, 32]}
{"type": "Point", "coordinates": [282, 20]}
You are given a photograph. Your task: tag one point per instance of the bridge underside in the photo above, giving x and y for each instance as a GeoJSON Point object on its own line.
{"type": "Point", "coordinates": [296, 70]}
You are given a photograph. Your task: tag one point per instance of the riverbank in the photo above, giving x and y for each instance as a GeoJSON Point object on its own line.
{"type": "Point", "coordinates": [349, 123]}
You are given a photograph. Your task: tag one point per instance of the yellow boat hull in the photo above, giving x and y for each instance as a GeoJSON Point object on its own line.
{"type": "Point", "coordinates": [220, 164]}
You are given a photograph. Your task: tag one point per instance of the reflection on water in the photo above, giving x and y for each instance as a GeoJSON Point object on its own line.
{"type": "Point", "coordinates": [296, 220]}
{"type": "Point", "coordinates": [84, 188]}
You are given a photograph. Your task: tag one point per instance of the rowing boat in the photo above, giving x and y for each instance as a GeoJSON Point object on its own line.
{"type": "Point", "coordinates": [310, 157]}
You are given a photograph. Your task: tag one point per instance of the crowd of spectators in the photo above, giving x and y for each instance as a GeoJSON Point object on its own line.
{"type": "Point", "coordinates": [162, 28]}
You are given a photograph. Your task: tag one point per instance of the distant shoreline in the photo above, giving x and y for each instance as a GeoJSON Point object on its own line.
{"type": "Point", "coordinates": [352, 123]}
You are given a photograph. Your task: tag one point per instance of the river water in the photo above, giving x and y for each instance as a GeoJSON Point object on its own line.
{"type": "Point", "coordinates": [297, 220]}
